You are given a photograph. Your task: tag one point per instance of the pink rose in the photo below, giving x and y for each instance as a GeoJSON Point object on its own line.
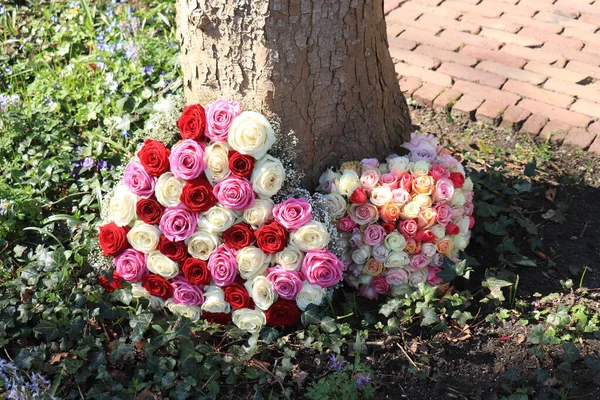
{"type": "Point", "coordinates": [419, 261]}
{"type": "Point", "coordinates": [185, 293]}
{"type": "Point", "coordinates": [374, 235]}
{"type": "Point", "coordinates": [223, 266]}
{"type": "Point", "coordinates": [293, 213]}
{"type": "Point", "coordinates": [390, 179]}
{"type": "Point", "coordinates": [370, 179]}
{"type": "Point", "coordinates": [369, 163]}
{"type": "Point", "coordinates": [286, 283]}
{"type": "Point", "coordinates": [443, 214]}
{"type": "Point", "coordinates": [346, 224]}
{"type": "Point", "coordinates": [469, 209]}
{"type": "Point", "coordinates": [458, 212]}
{"type": "Point", "coordinates": [396, 276]}
{"type": "Point", "coordinates": [368, 292]}
{"type": "Point", "coordinates": [401, 196]}
{"type": "Point", "coordinates": [363, 214]}
{"type": "Point", "coordinates": [322, 267]}
{"type": "Point", "coordinates": [422, 145]}
{"type": "Point", "coordinates": [408, 228]}
{"type": "Point", "coordinates": [218, 119]}
{"type": "Point", "coordinates": [437, 260]}
{"type": "Point", "coordinates": [438, 172]}
{"type": "Point", "coordinates": [432, 277]}
{"type": "Point", "coordinates": [138, 181]}
{"type": "Point", "coordinates": [235, 193]}
{"type": "Point", "coordinates": [417, 277]}
{"type": "Point", "coordinates": [380, 284]}
{"type": "Point", "coordinates": [187, 160]}
{"type": "Point", "coordinates": [178, 223]}
{"type": "Point", "coordinates": [444, 190]}
{"type": "Point", "coordinates": [469, 196]}
{"type": "Point", "coordinates": [131, 265]}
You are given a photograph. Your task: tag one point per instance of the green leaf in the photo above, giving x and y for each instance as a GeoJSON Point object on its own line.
{"type": "Point", "coordinates": [269, 335]}
{"type": "Point", "coordinates": [530, 169]}
{"type": "Point", "coordinates": [571, 352]}
{"type": "Point", "coordinates": [522, 187]}
{"type": "Point", "coordinates": [310, 316]}
{"type": "Point", "coordinates": [123, 351]}
{"type": "Point", "coordinates": [328, 325]}
{"type": "Point", "coordinates": [47, 328]}
{"type": "Point", "coordinates": [430, 317]}
{"type": "Point", "coordinates": [495, 286]}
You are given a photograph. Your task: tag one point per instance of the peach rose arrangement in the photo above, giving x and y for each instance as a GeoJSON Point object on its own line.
{"type": "Point", "coordinates": [401, 218]}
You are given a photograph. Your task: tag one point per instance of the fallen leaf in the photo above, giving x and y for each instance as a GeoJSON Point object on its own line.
{"type": "Point", "coordinates": [58, 357]}
{"type": "Point", "coordinates": [520, 338]}
{"type": "Point", "coordinates": [551, 194]}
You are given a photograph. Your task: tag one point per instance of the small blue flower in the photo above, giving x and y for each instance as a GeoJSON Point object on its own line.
{"type": "Point", "coordinates": [125, 134]}
{"type": "Point", "coordinates": [53, 19]}
{"type": "Point", "coordinates": [102, 164]}
{"type": "Point", "coordinates": [100, 65]}
{"type": "Point", "coordinates": [48, 101]}
{"type": "Point", "coordinates": [362, 380]}
{"type": "Point", "coordinates": [88, 162]}
{"type": "Point", "coordinates": [1, 10]}
{"type": "Point", "coordinates": [131, 51]}
{"type": "Point", "coordinates": [148, 70]}
{"type": "Point", "coordinates": [8, 70]}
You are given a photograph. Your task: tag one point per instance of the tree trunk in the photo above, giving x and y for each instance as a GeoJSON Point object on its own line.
{"type": "Point", "coordinates": [323, 66]}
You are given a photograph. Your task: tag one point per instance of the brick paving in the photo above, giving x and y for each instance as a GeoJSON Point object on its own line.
{"type": "Point", "coordinates": [532, 66]}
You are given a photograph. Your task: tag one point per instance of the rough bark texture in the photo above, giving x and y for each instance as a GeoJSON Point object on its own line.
{"type": "Point", "coordinates": [323, 66]}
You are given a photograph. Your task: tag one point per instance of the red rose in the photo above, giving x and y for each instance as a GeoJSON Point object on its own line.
{"type": "Point", "coordinates": [389, 226]}
{"type": "Point", "coordinates": [457, 179]}
{"type": "Point", "coordinates": [239, 236]}
{"type": "Point", "coordinates": [240, 165]}
{"type": "Point", "coordinates": [158, 286]}
{"type": "Point", "coordinates": [452, 229]}
{"type": "Point", "coordinates": [176, 251]}
{"type": "Point", "coordinates": [283, 313]}
{"type": "Point", "coordinates": [149, 210]}
{"type": "Point", "coordinates": [192, 121]}
{"type": "Point", "coordinates": [425, 236]}
{"type": "Point", "coordinates": [271, 238]}
{"type": "Point", "coordinates": [196, 271]}
{"type": "Point", "coordinates": [471, 221]}
{"type": "Point", "coordinates": [237, 295]}
{"type": "Point", "coordinates": [109, 287]}
{"type": "Point", "coordinates": [113, 239]}
{"type": "Point", "coordinates": [197, 195]}
{"type": "Point", "coordinates": [154, 157]}
{"type": "Point", "coordinates": [408, 228]}
{"type": "Point", "coordinates": [358, 196]}
{"type": "Point", "coordinates": [406, 182]}
{"type": "Point", "coordinates": [217, 318]}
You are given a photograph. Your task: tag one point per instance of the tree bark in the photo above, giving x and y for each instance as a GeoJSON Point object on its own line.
{"type": "Point", "coordinates": [323, 66]}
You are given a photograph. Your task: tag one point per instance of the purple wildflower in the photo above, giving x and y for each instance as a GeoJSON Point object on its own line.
{"type": "Point", "coordinates": [88, 162]}
{"type": "Point", "coordinates": [362, 380]}
{"type": "Point", "coordinates": [335, 364]}
{"type": "Point", "coordinates": [131, 51]}
{"type": "Point", "coordinates": [148, 70]}
{"type": "Point", "coordinates": [102, 164]}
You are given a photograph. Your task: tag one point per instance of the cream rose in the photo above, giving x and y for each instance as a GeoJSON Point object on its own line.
{"type": "Point", "coordinates": [217, 162]}
{"type": "Point", "coordinates": [268, 176]}
{"type": "Point", "coordinates": [381, 195]}
{"type": "Point", "coordinates": [290, 258]}
{"type": "Point", "coordinates": [438, 230]}
{"type": "Point", "coordinates": [262, 292]}
{"type": "Point", "coordinates": [121, 208]}
{"type": "Point", "coordinates": [218, 219]}
{"type": "Point", "coordinates": [397, 259]}
{"type": "Point", "coordinates": [394, 241]}
{"type": "Point", "coordinates": [190, 312]}
{"type": "Point", "coordinates": [460, 242]}
{"type": "Point", "coordinates": [420, 168]}
{"type": "Point", "coordinates": [137, 290]}
{"type": "Point", "coordinates": [168, 189]}
{"type": "Point", "coordinates": [251, 133]}
{"type": "Point", "coordinates": [398, 165]}
{"type": "Point", "coordinates": [260, 213]}
{"type": "Point", "coordinates": [428, 249]}
{"type": "Point", "coordinates": [424, 200]}
{"type": "Point", "coordinates": [362, 254]}
{"type": "Point", "coordinates": [202, 244]}
{"type": "Point", "coordinates": [463, 224]}
{"type": "Point", "coordinates": [214, 300]}
{"type": "Point", "coordinates": [468, 185]}
{"type": "Point", "coordinates": [249, 320]}
{"type": "Point", "coordinates": [312, 236]}
{"type": "Point", "coordinates": [459, 198]}
{"type": "Point", "coordinates": [337, 203]}
{"type": "Point", "coordinates": [309, 294]}
{"type": "Point", "coordinates": [410, 210]}
{"type": "Point", "coordinates": [143, 237]}
{"type": "Point", "coordinates": [417, 277]}
{"type": "Point", "coordinates": [162, 265]}
{"type": "Point", "coordinates": [252, 261]}
{"type": "Point", "coordinates": [349, 181]}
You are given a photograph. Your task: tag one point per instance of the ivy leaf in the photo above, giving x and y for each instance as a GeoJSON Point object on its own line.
{"type": "Point", "coordinates": [390, 307]}
{"type": "Point", "coordinates": [452, 270]}
{"type": "Point", "coordinates": [484, 209]}
{"type": "Point", "coordinates": [522, 187]}
{"type": "Point", "coordinates": [495, 286]}
{"type": "Point", "coordinates": [530, 169]}
{"type": "Point", "coordinates": [310, 316]}
{"type": "Point", "coordinates": [430, 317]}
{"type": "Point", "coordinates": [47, 328]}
{"type": "Point", "coordinates": [328, 325]}
{"type": "Point", "coordinates": [269, 335]}
{"type": "Point", "coordinates": [123, 351]}
{"type": "Point", "coordinates": [537, 335]}
{"type": "Point", "coordinates": [140, 324]}
{"type": "Point", "coordinates": [571, 352]}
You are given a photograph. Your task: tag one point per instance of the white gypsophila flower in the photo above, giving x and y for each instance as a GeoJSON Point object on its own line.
{"type": "Point", "coordinates": [122, 206]}
{"type": "Point", "coordinates": [202, 244]}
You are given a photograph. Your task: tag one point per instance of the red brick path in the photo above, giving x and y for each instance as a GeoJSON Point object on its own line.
{"type": "Point", "coordinates": [529, 65]}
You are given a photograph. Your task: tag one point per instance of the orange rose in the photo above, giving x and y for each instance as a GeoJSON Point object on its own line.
{"type": "Point", "coordinates": [412, 246]}
{"type": "Point", "coordinates": [373, 267]}
{"type": "Point", "coordinates": [390, 212]}
{"type": "Point", "coordinates": [444, 246]}
{"type": "Point", "coordinates": [426, 218]}
{"type": "Point", "coordinates": [423, 184]}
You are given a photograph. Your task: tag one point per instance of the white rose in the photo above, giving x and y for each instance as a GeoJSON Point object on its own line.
{"type": "Point", "coordinates": [463, 225]}
{"type": "Point", "coordinates": [309, 294]}
{"type": "Point", "coordinates": [395, 241]}
{"type": "Point", "coordinates": [252, 261]}
{"type": "Point", "coordinates": [290, 258]}
{"type": "Point", "coordinates": [417, 277]}
{"type": "Point", "coordinates": [214, 300]}
{"type": "Point", "coordinates": [268, 176]}
{"type": "Point", "coordinates": [251, 133]}
{"type": "Point", "coordinates": [162, 265]}
{"type": "Point", "coordinates": [262, 292]}
{"type": "Point", "coordinates": [428, 249]}
{"type": "Point", "coordinates": [260, 213]}
{"type": "Point", "coordinates": [218, 219]}
{"type": "Point", "coordinates": [438, 230]}
{"type": "Point", "coordinates": [362, 254]}
{"type": "Point", "coordinates": [458, 199]}
{"type": "Point", "coordinates": [424, 200]}
{"type": "Point", "coordinates": [202, 244]}
{"type": "Point", "coordinates": [337, 203]}
{"type": "Point", "coordinates": [365, 279]}
{"type": "Point", "coordinates": [329, 175]}
{"type": "Point", "coordinates": [420, 168]}
{"type": "Point", "coordinates": [460, 242]}
{"type": "Point", "coordinates": [468, 185]}
{"type": "Point", "coordinates": [190, 312]}
{"type": "Point", "coordinates": [144, 237]}
{"type": "Point", "coordinates": [168, 189]}
{"type": "Point", "coordinates": [398, 165]}
{"type": "Point", "coordinates": [396, 259]}
{"type": "Point", "coordinates": [349, 181]}
{"type": "Point", "coordinates": [381, 195]}
{"type": "Point", "coordinates": [410, 210]}
{"type": "Point", "coordinates": [217, 162]}
{"type": "Point", "coordinates": [137, 290]}
{"type": "Point", "coordinates": [312, 236]}
{"type": "Point", "coordinates": [249, 320]}
{"type": "Point", "coordinates": [121, 208]}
